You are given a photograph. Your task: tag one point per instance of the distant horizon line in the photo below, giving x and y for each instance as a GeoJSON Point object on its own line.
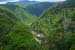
{"type": "Point", "coordinates": [29, 0]}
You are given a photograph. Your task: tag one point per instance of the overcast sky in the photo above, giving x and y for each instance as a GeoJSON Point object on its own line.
{"type": "Point", "coordinates": [49, 0]}
{"type": "Point", "coordinates": [5, 1]}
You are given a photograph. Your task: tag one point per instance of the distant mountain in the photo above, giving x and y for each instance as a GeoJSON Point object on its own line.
{"type": "Point", "coordinates": [33, 7]}
{"type": "Point", "coordinates": [22, 3]}
{"type": "Point", "coordinates": [26, 3]}
{"type": "Point", "coordinates": [21, 13]}
{"type": "Point", "coordinates": [11, 3]}
{"type": "Point", "coordinates": [39, 8]}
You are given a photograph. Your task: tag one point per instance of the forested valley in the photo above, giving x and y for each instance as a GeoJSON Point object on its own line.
{"type": "Point", "coordinates": [32, 25]}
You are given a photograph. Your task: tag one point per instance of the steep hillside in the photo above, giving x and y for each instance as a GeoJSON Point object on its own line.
{"type": "Point", "coordinates": [5, 16]}
{"type": "Point", "coordinates": [21, 13]}
{"type": "Point", "coordinates": [15, 35]}
{"type": "Point", "coordinates": [39, 8]}
{"type": "Point", "coordinates": [57, 25]}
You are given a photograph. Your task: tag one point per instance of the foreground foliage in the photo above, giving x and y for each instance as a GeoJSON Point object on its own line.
{"type": "Point", "coordinates": [58, 26]}
{"type": "Point", "coordinates": [14, 34]}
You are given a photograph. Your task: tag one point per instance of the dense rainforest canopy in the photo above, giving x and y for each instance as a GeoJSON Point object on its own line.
{"type": "Point", "coordinates": [58, 26]}
{"type": "Point", "coordinates": [22, 30]}
{"type": "Point", "coordinates": [14, 34]}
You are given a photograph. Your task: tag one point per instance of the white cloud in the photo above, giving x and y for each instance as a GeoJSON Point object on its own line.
{"type": "Point", "coordinates": [48, 0]}
{"type": "Point", "coordinates": [8, 0]}
{"type": "Point", "coordinates": [5, 1]}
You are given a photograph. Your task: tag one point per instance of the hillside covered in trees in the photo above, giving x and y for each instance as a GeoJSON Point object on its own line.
{"type": "Point", "coordinates": [14, 34]}
{"type": "Point", "coordinates": [54, 29]}
{"type": "Point", "coordinates": [57, 25]}
{"type": "Point", "coordinates": [21, 13]}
